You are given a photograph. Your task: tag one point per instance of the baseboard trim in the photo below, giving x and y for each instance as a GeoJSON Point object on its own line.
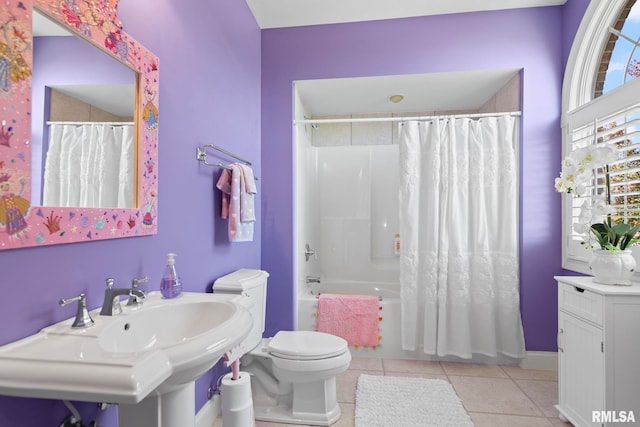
{"type": "Point", "coordinates": [540, 360]}
{"type": "Point", "coordinates": [207, 415]}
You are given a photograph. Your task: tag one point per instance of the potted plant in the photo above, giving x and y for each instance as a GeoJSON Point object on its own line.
{"type": "Point", "coordinates": [612, 262]}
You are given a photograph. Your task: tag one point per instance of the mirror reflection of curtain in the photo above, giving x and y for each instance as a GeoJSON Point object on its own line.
{"type": "Point", "coordinates": [89, 165]}
{"type": "Point", "coordinates": [459, 229]}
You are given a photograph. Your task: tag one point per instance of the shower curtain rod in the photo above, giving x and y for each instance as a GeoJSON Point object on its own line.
{"type": "Point", "coordinates": [403, 119]}
{"type": "Point", "coordinates": [91, 123]}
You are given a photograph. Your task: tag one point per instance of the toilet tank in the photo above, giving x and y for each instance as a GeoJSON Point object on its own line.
{"type": "Point", "coordinates": [252, 284]}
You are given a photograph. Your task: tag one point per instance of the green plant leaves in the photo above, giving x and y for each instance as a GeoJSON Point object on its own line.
{"type": "Point", "coordinates": [615, 238]}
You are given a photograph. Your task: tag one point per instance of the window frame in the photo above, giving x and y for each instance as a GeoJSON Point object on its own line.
{"type": "Point", "coordinates": [579, 106]}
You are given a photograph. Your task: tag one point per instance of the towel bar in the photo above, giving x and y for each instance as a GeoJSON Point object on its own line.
{"type": "Point", "coordinates": [201, 155]}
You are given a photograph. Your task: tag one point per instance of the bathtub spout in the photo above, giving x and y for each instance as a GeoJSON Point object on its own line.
{"type": "Point", "coordinates": [313, 283]}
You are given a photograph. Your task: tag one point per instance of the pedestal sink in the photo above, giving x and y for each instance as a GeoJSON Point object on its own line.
{"type": "Point", "coordinates": [146, 359]}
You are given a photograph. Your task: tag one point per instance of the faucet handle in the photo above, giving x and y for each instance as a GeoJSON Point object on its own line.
{"type": "Point", "coordinates": [136, 282]}
{"type": "Point", "coordinates": [136, 296]}
{"type": "Point", "coordinates": [83, 319]}
{"type": "Point", "coordinates": [308, 253]}
{"type": "Point", "coordinates": [110, 281]}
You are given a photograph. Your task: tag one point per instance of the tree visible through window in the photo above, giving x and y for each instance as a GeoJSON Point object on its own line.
{"type": "Point", "coordinates": [624, 174]}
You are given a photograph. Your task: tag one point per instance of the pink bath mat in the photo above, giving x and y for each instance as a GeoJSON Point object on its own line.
{"type": "Point", "coordinates": [355, 318]}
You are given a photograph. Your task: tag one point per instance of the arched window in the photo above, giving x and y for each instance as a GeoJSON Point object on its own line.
{"type": "Point", "coordinates": [601, 105]}
{"type": "Point", "coordinates": [620, 60]}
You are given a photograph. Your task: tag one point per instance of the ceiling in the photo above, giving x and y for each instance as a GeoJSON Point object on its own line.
{"type": "Point", "coordinates": [296, 13]}
{"type": "Point", "coordinates": [468, 90]}
{"type": "Point", "coordinates": [423, 93]}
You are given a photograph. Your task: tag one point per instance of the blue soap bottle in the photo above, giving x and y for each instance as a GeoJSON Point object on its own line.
{"type": "Point", "coordinates": [170, 286]}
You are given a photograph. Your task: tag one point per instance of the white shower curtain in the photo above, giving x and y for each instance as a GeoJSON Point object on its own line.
{"type": "Point", "coordinates": [90, 165]}
{"type": "Point", "coordinates": [459, 231]}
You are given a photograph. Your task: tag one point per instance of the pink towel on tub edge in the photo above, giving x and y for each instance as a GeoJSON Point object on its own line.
{"type": "Point", "coordinates": [352, 317]}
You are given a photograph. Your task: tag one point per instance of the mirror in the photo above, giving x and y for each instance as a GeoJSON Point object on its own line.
{"type": "Point", "coordinates": [30, 124]}
{"type": "Point", "coordinates": [82, 126]}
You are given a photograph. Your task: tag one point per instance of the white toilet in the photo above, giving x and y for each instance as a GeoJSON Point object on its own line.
{"type": "Point", "coordinates": [293, 374]}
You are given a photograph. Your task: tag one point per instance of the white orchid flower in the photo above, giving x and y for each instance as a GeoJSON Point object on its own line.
{"type": "Point", "coordinates": [561, 185]}
{"type": "Point", "coordinates": [586, 214]}
{"type": "Point", "coordinates": [581, 228]}
{"type": "Point", "coordinates": [580, 190]}
{"type": "Point", "coordinates": [601, 208]}
{"type": "Point", "coordinates": [605, 154]}
{"type": "Point", "coordinates": [578, 176]}
{"type": "Point", "coordinates": [568, 162]}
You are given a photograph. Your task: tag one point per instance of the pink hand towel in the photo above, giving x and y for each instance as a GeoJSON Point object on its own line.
{"type": "Point", "coordinates": [237, 201]}
{"type": "Point", "coordinates": [247, 191]}
{"type": "Point", "coordinates": [224, 185]}
{"type": "Point", "coordinates": [352, 317]}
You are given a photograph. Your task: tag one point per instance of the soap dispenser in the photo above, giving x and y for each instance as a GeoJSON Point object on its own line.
{"type": "Point", "coordinates": [170, 286]}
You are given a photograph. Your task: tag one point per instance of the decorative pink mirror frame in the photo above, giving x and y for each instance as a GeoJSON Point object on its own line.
{"type": "Point", "coordinates": [22, 225]}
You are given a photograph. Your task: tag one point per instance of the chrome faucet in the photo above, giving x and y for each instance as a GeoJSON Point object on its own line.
{"type": "Point", "coordinates": [83, 319]}
{"type": "Point", "coordinates": [308, 253]}
{"type": "Point", "coordinates": [136, 296]}
{"type": "Point", "coordinates": [111, 304]}
{"type": "Point", "coordinates": [313, 283]}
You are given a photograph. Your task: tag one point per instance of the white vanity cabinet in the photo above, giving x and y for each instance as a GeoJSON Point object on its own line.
{"type": "Point", "coordinates": [598, 352]}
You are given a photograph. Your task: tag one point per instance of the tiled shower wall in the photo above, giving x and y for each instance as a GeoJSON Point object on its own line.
{"type": "Point", "coordinates": [358, 212]}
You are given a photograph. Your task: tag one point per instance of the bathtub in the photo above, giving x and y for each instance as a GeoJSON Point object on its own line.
{"type": "Point", "coordinates": [390, 344]}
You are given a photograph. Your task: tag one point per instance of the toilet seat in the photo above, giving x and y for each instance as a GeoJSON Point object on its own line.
{"type": "Point", "coordinates": [302, 370]}
{"type": "Point", "coordinates": [306, 345]}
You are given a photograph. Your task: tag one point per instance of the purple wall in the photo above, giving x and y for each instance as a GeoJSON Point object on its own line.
{"type": "Point", "coordinates": [209, 56]}
{"type": "Point", "coordinates": [531, 39]}
{"type": "Point", "coordinates": [210, 67]}
{"type": "Point", "coordinates": [572, 13]}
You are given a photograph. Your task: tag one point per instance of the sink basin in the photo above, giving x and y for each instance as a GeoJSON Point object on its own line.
{"type": "Point", "coordinates": [163, 326]}
{"type": "Point", "coordinates": [153, 349]}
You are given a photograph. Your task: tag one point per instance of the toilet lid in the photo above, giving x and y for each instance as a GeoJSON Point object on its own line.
{"type": "Point", "coordinates": [306, 345]}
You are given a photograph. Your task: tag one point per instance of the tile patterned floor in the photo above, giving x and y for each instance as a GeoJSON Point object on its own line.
{"type": "Point", "coordinates": [494, 396]}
